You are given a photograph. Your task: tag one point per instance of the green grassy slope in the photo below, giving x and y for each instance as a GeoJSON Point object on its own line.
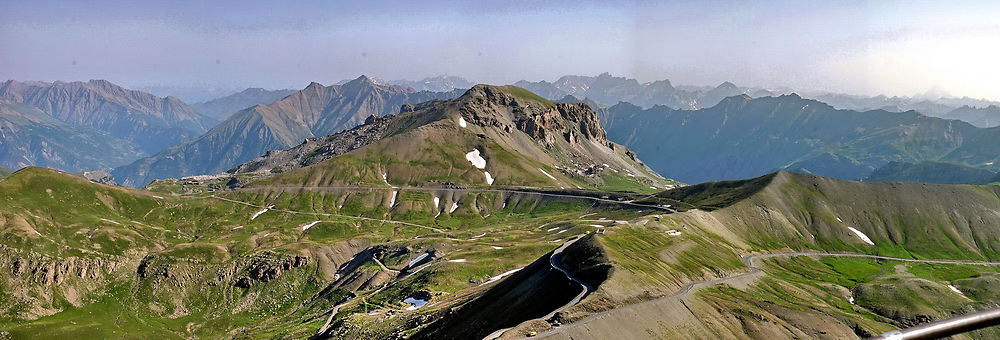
{"type": "Point", "coordinates": [932, 172]}
{"type": "Point", "coordinates": [98, 261]}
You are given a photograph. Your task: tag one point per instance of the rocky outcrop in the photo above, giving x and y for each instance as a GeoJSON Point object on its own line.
{"type": "Point", "coordinates": [314, 150]}
{"type": "Point", "coordinates": [539, 120]}
{"type": "Point", "coordinates": [100, 176]}
{"type": "Point", "coordinates": [47, 272]}
{"type": "Point", "coordinates": [268, 267]}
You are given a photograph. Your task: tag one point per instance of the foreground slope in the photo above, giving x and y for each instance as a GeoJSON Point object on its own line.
{"type": "Point", "coordinates": [382, 262]}
{"type": "Point", "coordinates": [316, 110]}
{"type": "Point", "coordinates": [743, 137]}
{"type": "Point", "coordinates": [88, 260]}
{"type": "Point", "coordinates": [490, 136]}
{"type": "Point", "coordinates": [685, 275]}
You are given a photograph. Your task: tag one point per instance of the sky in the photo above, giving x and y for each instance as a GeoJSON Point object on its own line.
{"type": "Point", "coordinates": [857, 47]}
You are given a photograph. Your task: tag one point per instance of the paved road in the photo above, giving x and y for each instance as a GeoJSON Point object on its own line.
{"type": "Point", "coordinates": [754, 270]}
{"type": "Point", "coordinates": [329, 214]}
{"type": "Point", "coordinates": [529, 192]}
{"type": "Point", "coordinates": [554, 262]}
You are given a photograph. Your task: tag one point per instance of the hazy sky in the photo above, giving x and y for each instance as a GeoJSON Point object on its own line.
{"type": "Point", "coordinates": [896, 48]}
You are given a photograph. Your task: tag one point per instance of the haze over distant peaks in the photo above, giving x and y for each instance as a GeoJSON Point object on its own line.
{"type": "Point", "coordinates": [221, 108]}
{"type": "Point", "coordinates": [609, 90]}
{"type": "Point", "coordinates": [151, 122]}
{"type": "Point", "coordinates": [441, 83]}
{"type": "Point", "coordinates": [743, 137]}
{"type": "Point", "coordinates": [316, 110]}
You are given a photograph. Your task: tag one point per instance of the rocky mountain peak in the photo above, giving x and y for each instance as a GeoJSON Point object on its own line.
{"type": "Point", "coordinates": [543, 120]}
{"type": "Point", "coordinates": [727, 86]}
{"type": "Point", "coordinates": [314, 86]}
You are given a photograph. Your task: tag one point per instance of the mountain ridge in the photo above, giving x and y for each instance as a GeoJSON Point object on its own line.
{"type": "Point", "coordinates": [516, 138]}
{"type": "Point", "coordinates": [316, 110]}
{"type": "Point", "coordinates": [150, 122]}
{"type": "Point", "coordinates": [743, 137]}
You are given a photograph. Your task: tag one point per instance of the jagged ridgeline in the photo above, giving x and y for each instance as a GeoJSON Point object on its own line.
{"type": "Point", "coordinates": [490, 136]}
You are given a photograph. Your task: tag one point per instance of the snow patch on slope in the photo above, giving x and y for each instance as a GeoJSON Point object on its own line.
{"type": "Point", "coordinates": [546, 174]}
{"type": "Point", "coordinates": [260, 212]}
{"type": "Point", "coordinates": [309, 225]}
{"type": "Point", "coordinates": [461, 122]}
{"type": "Point", "coordinates": [477, 160]}
{"type": "Point", "coordinates": [489, 179]}
{"type": "Point", "coordinates": [498, 277]}
{"type": "Point", "coordinates": [862, 236]}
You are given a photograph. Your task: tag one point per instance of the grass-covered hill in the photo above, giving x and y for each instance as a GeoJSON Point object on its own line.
{"type": "Point", "coordinates": [724, 223]}
{"type": "Point", "coordinates": [490, 136]}
{"type": "Point", "coordinates": [933, 172]}
{"type": "Point", "coordinates": [804, 212]}
{"type": "Point", "coordinates": [743, 137]}
{"type": "Point", "coordinates": [80, 259]}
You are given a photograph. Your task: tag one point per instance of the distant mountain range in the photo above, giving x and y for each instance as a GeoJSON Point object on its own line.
{"type": "Point", "coordinates": [441, 83]}
{"type": "Point", "coordinates": [221, 108]}
{"type": "Point", "coordinates": [316, 110]}
{"type": "Point", "coordinates": [151, 122]}
{"type": "Point", "coordinates": [609, 90]}
{"type": "Point", "coordinates": [982, 117]}
{"type": "Point", "coordinates": [29, 136]}
{"type": "Point", "coordinates": [253, 121]}
{"type": "Point", "coordinates": [743, 137]}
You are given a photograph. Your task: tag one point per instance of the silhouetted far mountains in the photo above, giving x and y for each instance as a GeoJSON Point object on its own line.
{"type": "Point", "coordinates": [742, 137]}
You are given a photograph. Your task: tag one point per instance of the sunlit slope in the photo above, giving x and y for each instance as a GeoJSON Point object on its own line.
{"type": "Point", "coordinates": [810, 212]}
{"type": "Point", "coordinates": [490, 136]}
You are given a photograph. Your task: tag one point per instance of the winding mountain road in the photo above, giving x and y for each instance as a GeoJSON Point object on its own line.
{"type": "Point", "coordinates": [555, 263]}
{"type": "Point", "coordinates": [754, 270]}
{"type": "Point", "coordinates": [511, 191]}
{"type": "Point", "coordinates": [329, 214]}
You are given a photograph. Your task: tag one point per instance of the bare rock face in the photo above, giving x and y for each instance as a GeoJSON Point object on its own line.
{"type": "Point", "coordinates": [268, 267]}
{"type": "Point", "coordinates": [100, 176]}
{"type": "Point", "coordinates": [40, 285]}
{"type": "Point", "coordinates": [56, 271]}
{"type": "Point", "coordinates": [542, 122]}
